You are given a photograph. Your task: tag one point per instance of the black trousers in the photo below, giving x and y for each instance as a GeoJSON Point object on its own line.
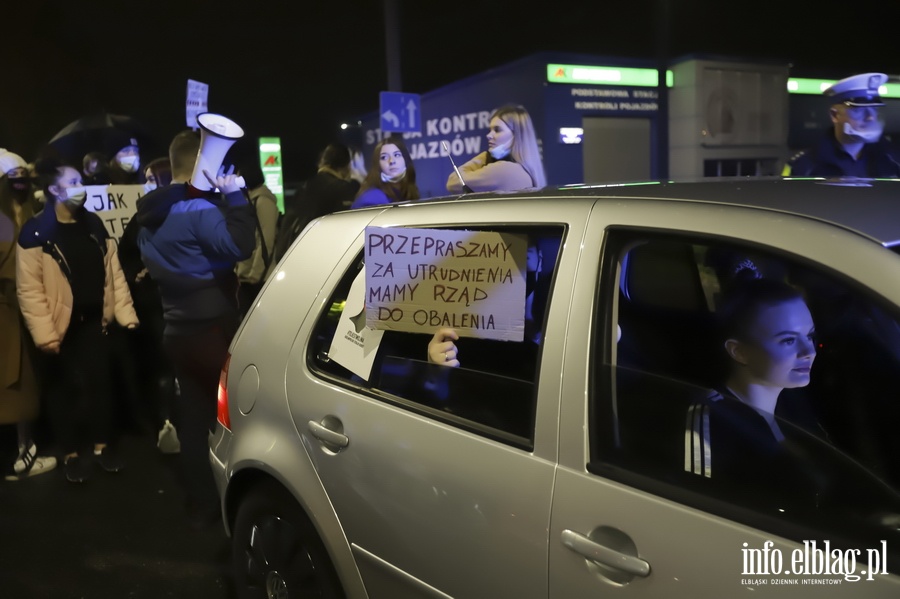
{"type": "Point", "coordinates": [154, 373]}
{"type": "Point", "coordinates": [77, 383]}
{"type": "Point", "coordinates": [247, 294]}
{"type": "Point", "coordinates": [198, 358]}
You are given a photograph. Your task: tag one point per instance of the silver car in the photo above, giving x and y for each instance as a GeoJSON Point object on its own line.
{"type": "Point", "coordinates": [602, 434]}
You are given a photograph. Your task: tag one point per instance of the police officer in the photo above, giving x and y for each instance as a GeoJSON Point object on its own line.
{"type": "Point", "coordinates": [853, 147]}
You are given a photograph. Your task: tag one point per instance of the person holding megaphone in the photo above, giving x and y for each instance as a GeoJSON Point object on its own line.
{"type": "Point", "coordinates": [193, 232]}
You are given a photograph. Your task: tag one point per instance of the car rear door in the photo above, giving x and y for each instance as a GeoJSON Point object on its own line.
{"type": "Point", "coordinates": [430, 508]}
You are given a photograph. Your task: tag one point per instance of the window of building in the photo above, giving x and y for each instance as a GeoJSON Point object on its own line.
{"type": "Point", "coordinates": [740, 167]}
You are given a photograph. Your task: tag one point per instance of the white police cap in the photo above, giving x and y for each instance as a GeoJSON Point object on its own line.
{"type": "Point", "coordinates": [858, 90]}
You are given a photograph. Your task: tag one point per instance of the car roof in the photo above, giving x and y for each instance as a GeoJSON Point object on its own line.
{"type": "Point", "coordinates": [870, 207]}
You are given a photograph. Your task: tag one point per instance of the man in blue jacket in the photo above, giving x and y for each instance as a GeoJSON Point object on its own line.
{"type": "Point", "coordinates": [190, 240]}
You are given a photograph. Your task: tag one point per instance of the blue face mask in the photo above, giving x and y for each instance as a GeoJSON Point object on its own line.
{"type": "Point", "coordinates": [399, 177]}
{"type": "Point", "coordinates": [129, 164]}
{"type": "Point", "coordinates": [502, 151]}
{"type": "Point", "coordinates": [869, 136]}
{"type": "Point", "coordinates": [148, 187]}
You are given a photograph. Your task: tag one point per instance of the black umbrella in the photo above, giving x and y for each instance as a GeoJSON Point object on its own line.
{"type": "Point", "coordinates": [106, 133]}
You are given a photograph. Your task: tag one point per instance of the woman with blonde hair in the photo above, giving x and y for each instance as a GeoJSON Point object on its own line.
{"type": "Point", "coordinates": [513, 160]}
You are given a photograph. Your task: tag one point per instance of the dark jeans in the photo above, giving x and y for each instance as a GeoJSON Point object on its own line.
{"type": "Point", "coordinates": [128, 407]}
{"type": "Point", "coordinates": [155, 375]}
{"type": "Point", "coordinates": [78, 387]}
{"type": "Point", "coordinates": [198, 358]}
{"type": "Point", "coordinates": [247, 294]}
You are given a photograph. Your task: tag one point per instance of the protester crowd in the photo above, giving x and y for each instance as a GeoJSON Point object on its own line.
{"type": "Point", "coordinates": [89, 324]}
{"type": "Point", "coordinates": [100, 334]}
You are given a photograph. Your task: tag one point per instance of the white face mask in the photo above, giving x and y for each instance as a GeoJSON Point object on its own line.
{"type": "Point", "coordinates": [130, 164]}
{"type": "Point", "coordinates": [75, 196]}
{"type": "Point", "coordinates": [148, 187]}
{"type": "Point", "coordinates": [870, 135]}
{"type": "Point", "coordinates": [399, 177]}
{"type": "Point", "coordinates": [501, 151]}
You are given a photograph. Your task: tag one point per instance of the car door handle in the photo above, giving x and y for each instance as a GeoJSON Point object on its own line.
{"type": "Point", "coordinates": [326, 435]}
{"type": "Point", "coordinates": [601, 554]}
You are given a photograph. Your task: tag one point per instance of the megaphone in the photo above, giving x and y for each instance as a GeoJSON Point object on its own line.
{"type": "Point", "coordinates": [217, 135]}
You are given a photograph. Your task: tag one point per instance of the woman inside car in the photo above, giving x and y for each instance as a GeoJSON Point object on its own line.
{"type": "Point", "coordinates": [767, 336]}
{"type": "Point", "coordinates": [758, 432]}
{"type": "Point", "coordinates": [513, 160]}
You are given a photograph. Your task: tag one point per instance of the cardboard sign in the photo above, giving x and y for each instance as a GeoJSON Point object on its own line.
{"type": "Point", "coordinates": [197, 102]}
{"type": "Point", "coordinates": [420, 280]}
{"type": "Point", "coordinates": [114, 204]}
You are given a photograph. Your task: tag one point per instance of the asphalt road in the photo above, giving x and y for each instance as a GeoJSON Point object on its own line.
{"type": "Point", "coordinates": [117, 536]}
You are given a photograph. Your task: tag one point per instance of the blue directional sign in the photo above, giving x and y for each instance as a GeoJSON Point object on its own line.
{"type": "Point", "coordinates": [400, 112]}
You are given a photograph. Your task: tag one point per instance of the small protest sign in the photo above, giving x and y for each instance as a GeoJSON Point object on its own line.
{"type": "Point", "coordinates": [419, 280]}
{"type": "Point", "coordinates": [114, 204]}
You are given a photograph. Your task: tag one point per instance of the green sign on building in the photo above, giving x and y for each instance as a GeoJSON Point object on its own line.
{"type": "Point", "coordinates": [270, 161]}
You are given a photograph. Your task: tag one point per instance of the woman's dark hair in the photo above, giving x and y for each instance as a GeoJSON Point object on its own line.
{"type": "Point", "coordinates": [244, 155]}
{"type": "Point", "coordinates": [335, 156]}
{"type": "Point", "coordinates": [406, 188]}
{"type": "Point", "coordinates": [744, 299]}
{"type": "Point", "coordinates": [47, 173]}
{"type": "Point", "coordinates": [162, 170]}
{"type": "Point", "coordinates": [98, 157]}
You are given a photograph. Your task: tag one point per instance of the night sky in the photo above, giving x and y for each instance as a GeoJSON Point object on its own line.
{"type": "Point", "coordinates": [298, 69]}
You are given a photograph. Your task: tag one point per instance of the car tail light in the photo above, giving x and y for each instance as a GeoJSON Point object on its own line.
{"type": "Point", "coordinates": [222, 414]}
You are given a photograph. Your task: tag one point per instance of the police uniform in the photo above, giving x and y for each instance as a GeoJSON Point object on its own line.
{"type": "Point", "coordinates": [828, 158]}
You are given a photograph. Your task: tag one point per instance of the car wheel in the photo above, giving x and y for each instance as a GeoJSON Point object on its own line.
{"type": "Point", "coordinates": [276, 551]}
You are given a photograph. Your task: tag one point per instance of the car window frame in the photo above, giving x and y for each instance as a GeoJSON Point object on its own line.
{"type": "Point", "coordinates": [365, 388]}
{"type": "Point", "coordinates": [603, 362]}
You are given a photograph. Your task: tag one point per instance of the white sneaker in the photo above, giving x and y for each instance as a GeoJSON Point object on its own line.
{"type": "Point", "coordinates": [30, 464]}
{"type": "Point", "coordinates": [26, 459]}
{"type": "Point", "coordinates": [168, 439]}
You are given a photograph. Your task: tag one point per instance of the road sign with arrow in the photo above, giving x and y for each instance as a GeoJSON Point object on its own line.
{"type": "Point", "coordinates": [400, 112]}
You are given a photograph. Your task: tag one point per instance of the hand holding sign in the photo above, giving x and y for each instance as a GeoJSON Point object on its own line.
{"type": "Point", "coordinates": [442, 350]}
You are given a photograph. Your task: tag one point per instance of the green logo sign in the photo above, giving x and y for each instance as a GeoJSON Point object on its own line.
{"type": "Point", "coordinates": [270, 161]}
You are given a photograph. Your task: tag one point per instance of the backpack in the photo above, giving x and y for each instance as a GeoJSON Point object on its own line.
{"type": "Point", "coordinates": [291, 223]}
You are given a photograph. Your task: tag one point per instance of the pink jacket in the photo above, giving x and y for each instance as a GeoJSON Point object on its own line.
{"type": "Point", "coordinates": [45, 296]}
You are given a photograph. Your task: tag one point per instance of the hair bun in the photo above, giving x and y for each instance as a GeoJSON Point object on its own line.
{"type": "Point", "coordinates": [745, 270]}
{"type": "Point", "coordinates": [48, 165]}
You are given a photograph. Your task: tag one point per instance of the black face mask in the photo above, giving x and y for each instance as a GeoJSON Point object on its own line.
{"type": "Point", "coordinates": [20, 186]}
{"type": "Point", "coordinates": [20, 183]}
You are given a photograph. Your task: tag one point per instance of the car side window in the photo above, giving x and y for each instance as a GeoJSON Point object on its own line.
{"type": "Point", "coordinates": [750, 384]}
{"type": "Point", "coordinates": [492, 392]}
